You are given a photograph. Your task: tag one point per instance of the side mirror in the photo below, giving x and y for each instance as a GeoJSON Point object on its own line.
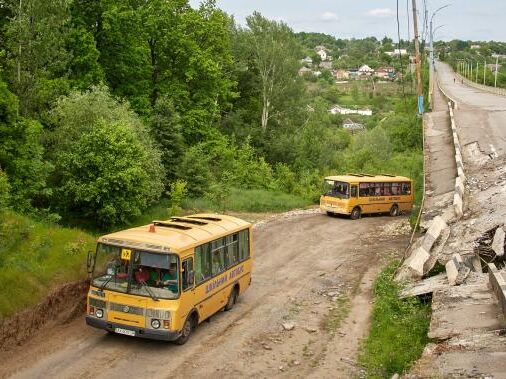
{"type": "Point", "coordinates": [90, 262]}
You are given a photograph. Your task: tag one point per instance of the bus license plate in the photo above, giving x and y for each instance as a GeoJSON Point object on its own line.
{"type": "Point", "coordinates": [126, 332]}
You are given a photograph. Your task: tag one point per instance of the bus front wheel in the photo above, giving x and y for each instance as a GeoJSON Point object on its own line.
{"type": "Point", "coordinates": [394, 211]}
{"type": "Point", "coordinates": [355, 213]}
{"type": "Point", "coordinates": [188, 327]}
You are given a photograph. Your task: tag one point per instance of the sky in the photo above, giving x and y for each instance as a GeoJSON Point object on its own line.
{"type": "Point", "coordinates": [463, 19]}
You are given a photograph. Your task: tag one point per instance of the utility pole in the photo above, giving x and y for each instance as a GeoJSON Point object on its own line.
{"type": "Point", "coordinates": [484, 71]}
{"type": "Point", "coordinates": [495, 79]}
{"type": "Point", "coordinates": [471, 76]}
{"type": "Point", "coordinates": [419, 88]}
{"type": "Point", "coordinates": [477, 65]}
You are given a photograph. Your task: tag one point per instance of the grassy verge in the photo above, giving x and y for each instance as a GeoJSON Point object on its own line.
{"type": "Point", "coordinates": [398, 332]}
{"type": "Point", "coordinates": [239, 200]}
{"type": "Point", "coordinates": [36, 257]}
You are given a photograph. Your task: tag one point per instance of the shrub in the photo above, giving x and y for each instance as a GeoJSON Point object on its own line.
{"type": "Point", "coordinates": [107, 176]}
{"type": "Point", "coordinates": [5, 189]}
{"type": "Point", "coordinates": [178, 192]}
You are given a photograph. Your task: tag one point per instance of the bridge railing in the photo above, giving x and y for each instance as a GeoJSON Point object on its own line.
{"type": "Point", "coordinates": [494, 90]}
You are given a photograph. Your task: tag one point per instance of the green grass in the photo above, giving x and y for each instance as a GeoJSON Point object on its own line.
{"type": "Point", "coordinates": [249, 200]}
{"type": "Point", "coordinates": [398, 331]}
{"type": "Point", "coordinates": [35, 258]}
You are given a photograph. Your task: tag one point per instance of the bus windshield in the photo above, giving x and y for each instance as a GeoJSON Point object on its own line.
{"type": "Point", "coordinates": [336, 189]}
{"type": "Point", "coordinates": [137, 272]}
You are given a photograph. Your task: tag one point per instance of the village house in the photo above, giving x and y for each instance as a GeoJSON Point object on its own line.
{"type": "Point", "coordinates": [304, 71]}
{"type": "Point", "coordinates": [397, 52]}
{"type": "Point", "coordinates": [323, 52]}
{"type": "Point", "coordinates": [491, 67]}
{"type": "Point", "coordinates": [352, 126]}
{"type": "Point", "coordinates": [475, 47]}
{"type": "Point", "coordinates": [341, 110]}
{"type": "Point", "coordinates": [385, 73]}
{"type": "Point", "coordinates": [326, 65]}
{"type": "Point", "coordinates": [341, 74]}
{"type": "Point", "coordinates": [307, 61]}
{"type": "Point", "coordinates": [365, 70]}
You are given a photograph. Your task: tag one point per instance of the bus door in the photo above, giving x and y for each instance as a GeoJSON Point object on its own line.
{"type": "Point", "coordinates": [188, 288]}
{"type": "Point", "coordinates": [353, 196]}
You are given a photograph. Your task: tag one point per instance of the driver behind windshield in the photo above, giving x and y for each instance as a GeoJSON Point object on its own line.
{"type": "Point", "coordinates": [163, 278]}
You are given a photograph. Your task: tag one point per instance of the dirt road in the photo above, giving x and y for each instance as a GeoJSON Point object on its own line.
{"type": "Point", "coordinates": [311, 270]}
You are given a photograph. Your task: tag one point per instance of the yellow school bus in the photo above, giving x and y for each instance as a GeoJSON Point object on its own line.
{"type": "Point", "coordinates": [161, 280]}
{"type": "Point", "coordinates": [358, 194]}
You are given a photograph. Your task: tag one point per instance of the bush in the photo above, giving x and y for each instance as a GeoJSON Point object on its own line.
{"type": "Point", "coordinates": [5, 189]}
{"type": "Point", "coordinates": [178, 192]}
{"type": "Point", "coordinates": [107, 175]}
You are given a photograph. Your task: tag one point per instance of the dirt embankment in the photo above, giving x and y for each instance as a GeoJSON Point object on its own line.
{"type": "Point", "coordinates": [59, 307]}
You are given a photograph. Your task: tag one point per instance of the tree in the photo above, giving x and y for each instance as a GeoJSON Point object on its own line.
{"type": "Point", "coordinates": [106, 176]}
{"type": "Point", "coordinates": [21, 154]}
{"type": "Point", "coordinates": [276, 51]}
{"type": "Point", "coordinates": [166, 131]}
{"type": "Point", "coordinates": [36, 55]}
{"type": "Point", "coordinates": [76, 120]}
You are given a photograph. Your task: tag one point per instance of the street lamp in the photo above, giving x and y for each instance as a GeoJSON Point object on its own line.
{"type": "Point", "coordinates": [431, 72]}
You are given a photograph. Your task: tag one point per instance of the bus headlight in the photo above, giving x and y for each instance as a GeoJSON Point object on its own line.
{"type": "Point", "coordinates": [155, 323]}
{"type": "Point", "coordinates": [99, 313]}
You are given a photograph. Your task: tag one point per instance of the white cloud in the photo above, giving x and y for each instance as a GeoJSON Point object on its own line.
{"type": "Point", "coordinates": [329, 16]}
{"type": "Point", "coordinates": [380, 12]}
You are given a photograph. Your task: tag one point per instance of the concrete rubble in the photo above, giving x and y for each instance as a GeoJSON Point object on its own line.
{"type": "Point", "coordinates": [415, 266]}
{"type": "Point", "coordinates": [498, 242]}
{"type": "Point", "coordinates": [456, 270]}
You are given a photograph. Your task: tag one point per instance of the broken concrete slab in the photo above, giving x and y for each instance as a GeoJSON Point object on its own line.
{"type": "Point", "coordinates": [498, 242]}
{"type": "Point", "coordinates": [458, 205]}
{"type": "Point", "coordinates": [497, 281]}
{"type": "Point", "coordinates": [425, 286]}
{"type": "Point", "coordinates": [436, 227]}
{"type": "Point", "coordinates": [456, 270]}
{"type": "Point", "coordinates": [437, 250]}
{"type": "Point", "coordinates": [413, 266]}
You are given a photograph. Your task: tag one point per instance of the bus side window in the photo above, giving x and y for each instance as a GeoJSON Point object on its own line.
{"type": "Point", "coordinates": [387, 188]}
{"type": "Point", "coordinates": [364, 189]}
{"type": "Point", "coordinates": [353, 191]}
{"type": "Point", "coordinates": [406, 188]}
{"type": "Point", "coordinates": [243, 245]}
{"type": "Point", "coordinates": [203, 262]}
{"type": "Point", "coordinates": [232, 252]}
{"type": "Point", "coordinates": [188, 275]}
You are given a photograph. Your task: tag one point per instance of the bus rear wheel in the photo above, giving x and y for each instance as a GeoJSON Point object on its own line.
{"type": "Point", "coordinates": [394, 211]}
{"type": "Point", "coordinates": [232, 299]}
{"type": "Point", "coordinates": [188, 327]}
{"type": "Point", "coordinates": [355, 213]}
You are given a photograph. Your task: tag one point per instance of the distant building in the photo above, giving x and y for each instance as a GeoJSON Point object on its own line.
{"type": "Point", "coordinates": [317, 73]}
{"type": "Point", "coordinates": [326, 65]}
{"type": "Point", "coordinates": [385, 73]}
{"type": "Point", "coordinates": [305, 71]}
{"type": "Point", "coordinates": [491, 67]}
{"type": "Point", "coordinates": [341, 74]}
{"type": "Point", "coordinates": [397, 52]}
{"type": "Point", "coordinates": [322, 54]}
{"type": "Point", "coordinates": [475, 47]}
{"type": "Point", "coordinates": [352, 126]}
{"type": "Point", "coordinates": [307, 61]}
{"type": "Point", "coordinates": [341, 110]}
{"type": "Point", "coordinates": [365, 70]}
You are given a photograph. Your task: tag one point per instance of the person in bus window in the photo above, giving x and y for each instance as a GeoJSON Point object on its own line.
{"type": "Point", "coordinates": [166, 279]}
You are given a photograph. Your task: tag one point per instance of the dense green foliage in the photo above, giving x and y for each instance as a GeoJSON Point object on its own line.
{"type": "Point", "coordinates": [36, 256]}
{"type": "Point", "coordinates": [105, 105]}
{"type": "Point", "coordinates": [398, 332]}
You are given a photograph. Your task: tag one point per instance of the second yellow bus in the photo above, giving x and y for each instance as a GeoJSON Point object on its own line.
{"type": "Point", "coordinates": [358, 194]}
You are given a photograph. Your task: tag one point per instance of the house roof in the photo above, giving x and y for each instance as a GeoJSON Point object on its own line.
{"type": "Point", "coordinates": [365, 68]}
